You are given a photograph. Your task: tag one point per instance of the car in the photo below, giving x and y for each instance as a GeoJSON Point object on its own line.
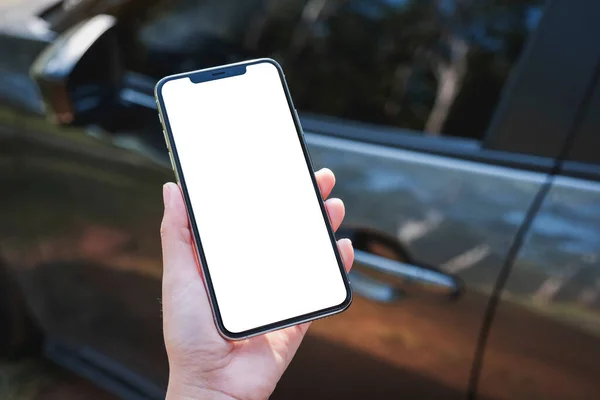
{"type": "Point", "coordinates": [464, 138]}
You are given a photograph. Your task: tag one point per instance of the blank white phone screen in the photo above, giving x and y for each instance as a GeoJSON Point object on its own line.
{"type": "Point", "coordinates": [264, 237]}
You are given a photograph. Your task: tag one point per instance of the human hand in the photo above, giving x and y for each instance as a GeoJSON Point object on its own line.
{"type": "Point", "coordinates": [202, 364]}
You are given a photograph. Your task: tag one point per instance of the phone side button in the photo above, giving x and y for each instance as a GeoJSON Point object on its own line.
{"type": "Point", "coordinates": [166, 140]}
{"type": "Point", "coordinates": [172, 162]}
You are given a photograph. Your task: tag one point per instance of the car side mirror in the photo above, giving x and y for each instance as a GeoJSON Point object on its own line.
{"type": "Point", "coordinates": [80, 73]}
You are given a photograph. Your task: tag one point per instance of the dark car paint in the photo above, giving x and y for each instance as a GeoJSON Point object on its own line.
{"type": "Point", "coordinates": [448, 213]}
{"type": "Point", "coordinates": [80, 215]}
{"type": "Point", "coordinates": [545, 340]}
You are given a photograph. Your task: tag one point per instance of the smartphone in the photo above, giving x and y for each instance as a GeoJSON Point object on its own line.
{"type": "Point", "coordinates": [266, 247]}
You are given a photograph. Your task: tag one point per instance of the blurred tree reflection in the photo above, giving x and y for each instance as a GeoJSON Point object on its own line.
{"type": "Point", "coordinates": [429, 65]}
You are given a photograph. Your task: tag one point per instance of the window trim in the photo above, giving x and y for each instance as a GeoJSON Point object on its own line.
{"type": "Point", "coordinates": [450, 146]}
{"type": "Point", "coordinates": [582, 170]}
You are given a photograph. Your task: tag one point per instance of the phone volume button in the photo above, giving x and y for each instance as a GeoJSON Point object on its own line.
{"type": "Point", "coordinates": [172, 162]}
{"type": "Point", "coordinates": [166, 140]}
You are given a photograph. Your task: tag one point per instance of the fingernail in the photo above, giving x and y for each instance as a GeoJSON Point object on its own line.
{"type": "Point", "coordinates": [167, 194]}
{"type": "Point", "coordinates": [345, 240]}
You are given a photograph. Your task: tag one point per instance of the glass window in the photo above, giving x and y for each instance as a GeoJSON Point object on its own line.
{"type": "Point", "coordinates": [434, 66]}
{"type": "Point", "coordinates": [587, 140]}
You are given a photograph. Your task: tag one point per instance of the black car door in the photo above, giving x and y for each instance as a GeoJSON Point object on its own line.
{"type": "Point", "coordinates": [428, 112]}
{"type": "Point", "coordinates": [81, 206]}
{"type": "Point", "coordinates": [544, 341]}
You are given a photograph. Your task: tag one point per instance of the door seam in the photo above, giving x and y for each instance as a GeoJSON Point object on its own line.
{"type": "Point", "coordinates": [521, 235]}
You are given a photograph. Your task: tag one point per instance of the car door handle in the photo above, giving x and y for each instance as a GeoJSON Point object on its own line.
{"type": "Point", "coordinates": [385, 271]}
{"type": "Point", "coordinates": [430, 280]}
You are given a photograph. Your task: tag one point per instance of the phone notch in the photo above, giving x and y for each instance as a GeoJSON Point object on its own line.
{"type": "Point", "coordinates": [219, 73]}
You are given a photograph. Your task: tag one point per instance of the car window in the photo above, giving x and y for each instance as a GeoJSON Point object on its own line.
{"type": "Point", "coordinates": [586, 142]}
{"type": "Point", "coordinates": [428, 66]}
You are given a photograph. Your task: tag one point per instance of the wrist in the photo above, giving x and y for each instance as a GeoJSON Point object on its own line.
{"type": "Point", "coordinates": [178, 390]}
{"type": "Point", "coordinates": [195, 394]}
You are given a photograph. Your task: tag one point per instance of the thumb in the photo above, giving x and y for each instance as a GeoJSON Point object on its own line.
{"type": "Point", "coordinates": [179, 262]}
